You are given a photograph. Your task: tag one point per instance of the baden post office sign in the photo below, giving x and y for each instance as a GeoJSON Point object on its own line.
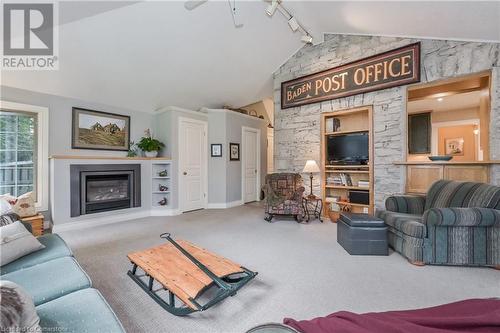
{"type": "Point", "coordinates": [389, 69]}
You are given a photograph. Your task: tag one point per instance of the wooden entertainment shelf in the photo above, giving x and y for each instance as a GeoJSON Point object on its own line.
{"type": "Point", "coordinates": [357, 120]}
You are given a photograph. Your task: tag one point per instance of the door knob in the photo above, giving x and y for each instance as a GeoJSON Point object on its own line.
{"type": "Point", "coordinates": [185, 173]}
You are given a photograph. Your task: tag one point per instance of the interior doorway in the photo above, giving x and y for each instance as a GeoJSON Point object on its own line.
{"type": "Point", "coordinates": [250, 146]}
{"type": "Point", "coordinates": [193, 164]}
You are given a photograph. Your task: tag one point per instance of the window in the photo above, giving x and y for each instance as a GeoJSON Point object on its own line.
{"type": "Point", "coordinates": [23, 151]}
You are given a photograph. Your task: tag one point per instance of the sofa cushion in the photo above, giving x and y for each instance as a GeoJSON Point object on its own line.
{"type": "Point", "coordinates": [82, 311]}
{"type": "Point", "coordinates": [55, 247]}
{"type": "Point", "coordinates": [447, 193]}
{"type": "Point", "coordinates": [409, 224]}
{"type": "Point", "coordinates": [16, 242]}
{"type": "Point", "coordinates": [51, 279]}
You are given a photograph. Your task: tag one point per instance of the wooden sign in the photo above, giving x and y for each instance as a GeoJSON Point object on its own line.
{"type": "Point", "coordinates": [389, 69]}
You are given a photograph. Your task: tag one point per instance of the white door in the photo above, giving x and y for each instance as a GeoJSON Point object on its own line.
{"type": "Point", "coordinates": [192, 164]}
{"type": "Point", "coordinates": [250, 152]}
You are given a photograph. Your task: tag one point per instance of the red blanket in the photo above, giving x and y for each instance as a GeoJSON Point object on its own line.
{"type": "Point", "coordinates": [475, 315]}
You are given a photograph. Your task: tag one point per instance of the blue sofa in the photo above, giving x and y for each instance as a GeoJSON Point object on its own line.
{"type": "Point", "coordinates": [62, 292]}
{"type": "Point", "coordinates": [456, 223]}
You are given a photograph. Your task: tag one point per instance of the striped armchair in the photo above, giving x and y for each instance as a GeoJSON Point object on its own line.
{"type": "Point", "coordinates": [456, 223]}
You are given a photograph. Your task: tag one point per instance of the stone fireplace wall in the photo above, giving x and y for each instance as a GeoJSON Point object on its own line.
{"type": "Point", "coordinates": [297, 130]}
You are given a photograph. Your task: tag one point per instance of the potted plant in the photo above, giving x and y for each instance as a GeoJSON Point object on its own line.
{"type": "Point", "coordinates": [149, 145]}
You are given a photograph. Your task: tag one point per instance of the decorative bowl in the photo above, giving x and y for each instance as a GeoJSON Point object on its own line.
{"type": "Point", "coordinates": [440, 157]}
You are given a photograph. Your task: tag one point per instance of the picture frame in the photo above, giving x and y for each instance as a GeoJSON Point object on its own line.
{"type": "Point", "coordinates": [234, 151]}
{"type": "Point", "coordinates": [454, 146]}
{"type": "Point", "coordinates": [216, 150]}
{"type": "Point", "coordinates": [98, 130]}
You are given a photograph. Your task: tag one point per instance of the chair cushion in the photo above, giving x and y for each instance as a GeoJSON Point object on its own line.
{"type": "Point", "coordinates": [51, 279]}
{"type": "Point", "coordinates": [409, 224]}
{"type": "Point", "coordinates": [55, 247]}
{"type": "Point", "coordinates": [362, 220]}
{"type": "Point", "coordinates": [85, 310]}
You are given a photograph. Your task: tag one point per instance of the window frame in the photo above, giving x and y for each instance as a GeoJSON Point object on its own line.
{"type": "Point", "coordinates": [42, 167]}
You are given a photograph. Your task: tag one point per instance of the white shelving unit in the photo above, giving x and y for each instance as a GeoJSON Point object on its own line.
{"type": "Point", "coordinates": [157, 181]}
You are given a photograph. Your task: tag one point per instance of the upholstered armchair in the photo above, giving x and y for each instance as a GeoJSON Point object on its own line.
{"type": "Point", "coordinates": [456, 223]}
{"type": "Point", "coordinates": [284, 195]}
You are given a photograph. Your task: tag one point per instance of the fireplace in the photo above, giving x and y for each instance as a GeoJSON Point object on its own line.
{"type": "Point", "coordinates": [99, 188]}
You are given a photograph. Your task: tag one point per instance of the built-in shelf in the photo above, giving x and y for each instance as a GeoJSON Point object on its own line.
{"type": "Point", "coordinates": [357, 120]}
{"type": "Point", "coordinates": [343, 203]}
{"type": "Point", "coordinates": [350, 171]}
{"type": "Point", "coordinates": [345, 132]}
{"type": "Point", "coordinates": [156, 194]}
{"type": "Point", "coordinates": [329, 166]}
{"type": "Point", "coordinates": [342, 187]}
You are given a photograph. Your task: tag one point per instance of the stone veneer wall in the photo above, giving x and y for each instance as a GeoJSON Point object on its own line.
{"type": "Point", "coordinates": [297, 130]}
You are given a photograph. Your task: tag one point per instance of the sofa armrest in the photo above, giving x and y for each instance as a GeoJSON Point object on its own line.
{"type": "Point", "coordinates": [462, 217]}
{"type": "Point", "coordinates": [407, 204]}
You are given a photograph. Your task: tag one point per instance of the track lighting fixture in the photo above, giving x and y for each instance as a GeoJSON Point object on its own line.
{"type": "Point", "coordinates": [307, 39]}
{"type": "Point", "coordinates": [292, 22]}
{"type": "Point", "coordinates": [272, 7]}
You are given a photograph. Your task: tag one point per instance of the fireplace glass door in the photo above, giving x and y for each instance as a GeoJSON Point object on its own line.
{"type": "Point", "coordinates": [104, 191]}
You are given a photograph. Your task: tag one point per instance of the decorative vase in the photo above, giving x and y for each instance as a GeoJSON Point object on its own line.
{"type": "Point", "coordinates": [151, 153]}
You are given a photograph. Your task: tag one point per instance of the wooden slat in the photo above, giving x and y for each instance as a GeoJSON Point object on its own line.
{"type": "Point", "coordinates": [174, 271]}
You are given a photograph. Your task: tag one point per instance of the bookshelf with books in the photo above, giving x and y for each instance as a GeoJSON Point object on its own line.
{"type": "Point", "coordinates": [347, 183]}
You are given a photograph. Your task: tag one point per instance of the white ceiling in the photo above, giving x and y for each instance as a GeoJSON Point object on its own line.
{"type": "Point", "coordinates": [147, 55]}
{"type": "Point", "coordinates": [453, 102]}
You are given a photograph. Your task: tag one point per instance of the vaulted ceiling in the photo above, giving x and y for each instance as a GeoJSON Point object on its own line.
{"type": "Point", "coordinates": [147, 55]}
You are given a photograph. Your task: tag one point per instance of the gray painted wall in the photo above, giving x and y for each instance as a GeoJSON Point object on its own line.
{"type": "Point", "coordinates": [166, 129]}
{"type": "Point", "coordinates": [60, 119]}
{"type": "Point", "coordinates": [297, 130]}
{"type": "Point", "coordinates": [234, 124]}
{"type": "Point", "coordinates": [217, 192]}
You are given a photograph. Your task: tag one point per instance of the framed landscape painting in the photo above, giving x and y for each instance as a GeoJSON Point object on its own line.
{"type": "Point", "coordinates": [99, 130]}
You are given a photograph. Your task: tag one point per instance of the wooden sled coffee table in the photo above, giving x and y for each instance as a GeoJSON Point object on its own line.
{"type": "Point", "coordinates": [185, 272]}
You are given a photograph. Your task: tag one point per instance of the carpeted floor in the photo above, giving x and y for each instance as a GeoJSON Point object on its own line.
{"type": "Point", "coordinates": [303, 272]}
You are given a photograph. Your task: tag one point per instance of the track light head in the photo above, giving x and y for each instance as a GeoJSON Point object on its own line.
{"type": "Point", "coordinates": [292, 22]}
{"type": "Point", "coordinates": [307, 39]}
{"type": "Point", "coordinates": [272, 7]}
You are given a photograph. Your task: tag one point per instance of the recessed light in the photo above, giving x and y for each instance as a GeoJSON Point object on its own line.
{"type": "Point", "coordinates": [440, 99]}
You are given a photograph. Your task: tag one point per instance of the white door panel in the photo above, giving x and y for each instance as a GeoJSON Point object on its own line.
{"type": "Point", "coordinates": [250, 165]}
{"type": "Point", "coordinates": [192, 165]}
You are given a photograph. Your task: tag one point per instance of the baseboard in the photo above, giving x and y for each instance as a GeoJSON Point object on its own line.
{"type": "Point", "coordinates": [100, 220]}
{"type": "Point", "coordinates": [165, 212]}
{"type": "Point", "coordinates": [224, 205]}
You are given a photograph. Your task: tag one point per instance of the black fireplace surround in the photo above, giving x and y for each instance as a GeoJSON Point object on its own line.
{"type": "Point", "coordinates": [99, 188]}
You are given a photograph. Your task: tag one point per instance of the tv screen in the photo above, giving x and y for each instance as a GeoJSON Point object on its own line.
{"type": "Point", "coordinates": [348, 148]}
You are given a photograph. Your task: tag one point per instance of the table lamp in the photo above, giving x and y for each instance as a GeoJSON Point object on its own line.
{"type": "Point", "coordinates": [310, 167]}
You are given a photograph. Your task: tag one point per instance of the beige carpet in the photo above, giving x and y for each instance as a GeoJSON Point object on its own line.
{"type": "Point", "coordinates": [303, 272]}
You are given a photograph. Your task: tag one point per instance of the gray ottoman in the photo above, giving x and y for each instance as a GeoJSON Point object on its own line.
{"type": "Point", "coordinates": [362, 234]}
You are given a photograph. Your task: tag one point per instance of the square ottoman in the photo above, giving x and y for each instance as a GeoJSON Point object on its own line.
{"type": "Point", "coordinates": [362, 234]}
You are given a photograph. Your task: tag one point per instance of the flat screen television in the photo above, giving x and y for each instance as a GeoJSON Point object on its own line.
{"type": "Point", "coordinates": [347, 148]}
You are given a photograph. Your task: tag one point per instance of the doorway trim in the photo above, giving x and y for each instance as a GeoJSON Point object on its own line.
{"type": "Point", "coordinates": [259, 167]}
{"type": "Point", "coordinates": [204, 161]}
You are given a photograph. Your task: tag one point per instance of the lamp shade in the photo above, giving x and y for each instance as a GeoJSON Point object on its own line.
{"type": "Point", "coordinates": [311, 166]}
